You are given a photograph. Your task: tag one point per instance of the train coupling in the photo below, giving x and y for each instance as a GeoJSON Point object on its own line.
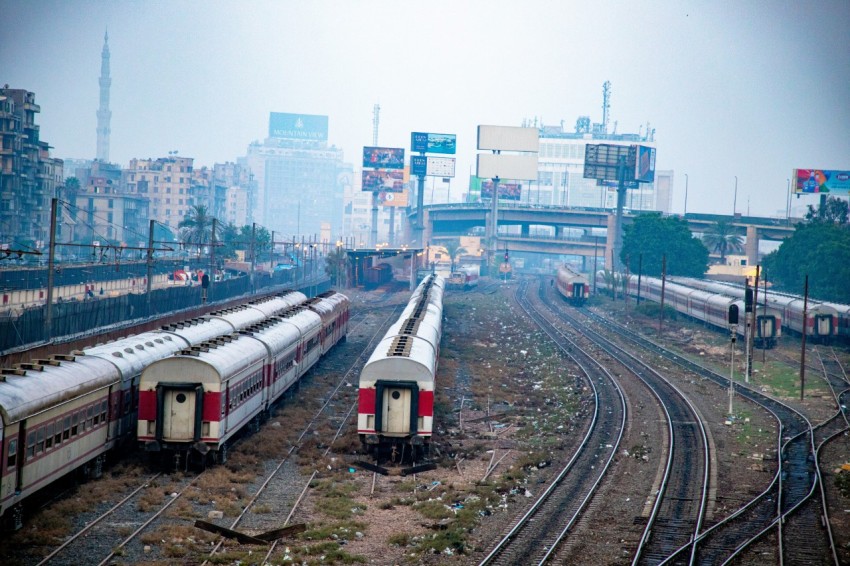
{"type": "Point", "coordinates": [152, 446]}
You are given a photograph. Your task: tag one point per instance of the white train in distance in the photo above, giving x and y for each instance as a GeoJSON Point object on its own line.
{"type": "Point", "coordinates": [824, 321]}
{"type": "Point", "coordinates": [193, 404]}
{"type": "Point", "coordinates": [395, 413]}
{"type": "Point", "coordinates": [709, 307]}
{"type": "Point", "coordinates": [67, 413]}
{"type": "Point", "coordinates": [572, 285]}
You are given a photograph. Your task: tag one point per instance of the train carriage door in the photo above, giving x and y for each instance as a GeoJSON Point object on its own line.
{"type": "Point", "coordinates": [396, 411]}
{"type": "Point", "coordinates": [766, 326]}
{"type": "Point", "coordinates": [578, 290]}
{"type": "Point", "coordinates": [823, 325]}
{"type": "Point", "coordinates": [181, 408]}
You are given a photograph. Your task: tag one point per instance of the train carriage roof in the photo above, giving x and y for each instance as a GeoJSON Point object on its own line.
{"type": "Point", "coordinates": [278, 333]}
{"type": "Point", "coordinates": [408, 359]}
{"type": "Point", "coordinates": [209, 362]}
{"type": "Point", "coordinates": [277, 304]}
{"type": "Point", "coordinates": [131, 355]}
{"type": "Point", "coordinates": [23, 396]}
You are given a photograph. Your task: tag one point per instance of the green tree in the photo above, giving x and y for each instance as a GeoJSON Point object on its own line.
{"type": "Point", "coordinates": [835, 211]}
{"type": "Point", "coordinates": [453, 249]}
{"type": "Point", "coordinates": [653, 236]}
{"type": "Point", "coordinates": [817, 249]}
{"type": "Point", "coordinates": [262, 242]}
{"type": "Point", "coordinates": [721, 238]}
{"type": "Point", "coordinates": [335, 264]}
{"type": "Point", "coordinates": [227, 242]}
{"type": "Point", "coordinates": [196, 227]}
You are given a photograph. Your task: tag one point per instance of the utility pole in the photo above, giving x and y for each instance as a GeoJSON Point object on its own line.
{"type": "Point", "coordinates": [212, 261]}
{"type": "Point", "coordinates": [150, 264]}
{"type": "Point", "coordinates": [805, 330]}
{"type": "Point", "coordinates": [733, 324]}
{"type": "Point", "coordinates": [48, 319]}
{"type": "Point", "coordinates": [253, 254]}
{"type": "Point", "coordinates": [663, 284]}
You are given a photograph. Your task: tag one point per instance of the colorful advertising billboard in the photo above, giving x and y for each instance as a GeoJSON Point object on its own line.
{"type": "Point", "coordinates": [507, 191]}
{"type": "Point", "coordinates": [388, 181]}
{"type": "Point", "coordinates": [811, 181]}
{"type": "Point", "coordinates": [383, 157]}
{"type": "Point", "coordinates": [421, 166]}
{"type": "Point", "coordinates": [298, 126]}
{"type": "Point", "coordinates": [422, 142]}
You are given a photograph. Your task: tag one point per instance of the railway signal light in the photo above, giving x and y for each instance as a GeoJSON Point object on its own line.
{"type": "Point", "coordinates": [733, 314]}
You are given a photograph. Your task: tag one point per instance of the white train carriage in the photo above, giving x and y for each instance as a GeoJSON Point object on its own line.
{"type": "Point", "coordinates": [333, 308]}
{"type": "Point", "coordinates": [822, 318]}
{"type": "Point", "coordinates": [243, 316]}
{"type": "Point", "coordinates": [573, 286]}
{"type": "Point", "coordinates": [709, 307]}
{"type": "Point", "coordinates": [201, 397]}
{"type": "Point", "coordinates": [56, 418]}
{"type": "Point", "coordinates": [396, 395]}
{"type": "Point", "coordinates": [195, 402]}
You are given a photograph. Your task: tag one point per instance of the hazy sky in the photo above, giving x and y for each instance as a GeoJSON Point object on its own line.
{"type": "Point", "coordinates": [750, 88]}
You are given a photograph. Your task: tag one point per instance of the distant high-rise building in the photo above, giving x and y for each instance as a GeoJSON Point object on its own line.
{"type": "Point", "coordinates": [296, 174]}
{"type": "Point", "coordinates": [29, 177]}
{"type": "Point", "coordinates": [560, 177]}
{"type": "Point", "coordinates": [104, 115]}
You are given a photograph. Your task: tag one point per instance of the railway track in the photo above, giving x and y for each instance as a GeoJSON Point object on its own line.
{"type": "Point", "coordinates": [679, 507]}
{"type": "Point", "coordinates": [537, 534]}
{"type": "Point", "coordinates": [107, 534]}
{"type": "Point", "coordinates": [795, 483]}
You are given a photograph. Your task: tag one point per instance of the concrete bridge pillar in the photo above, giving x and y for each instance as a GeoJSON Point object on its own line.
{"type": "Point", "coordinates": [752, 245]}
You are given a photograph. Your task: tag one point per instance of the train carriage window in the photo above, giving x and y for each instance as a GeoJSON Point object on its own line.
{"type": "Point", "coordinates": [75, 419]}
{"type": "Point", "coordinates": [12, 453]}
{"type": "Point", "coordinates": [66, 434]}
{"type": "Point", "coordinates": [89, 413]}
{"type": "Point", "coordinates": [57, 432]}
{"type": "Point", "coordinates": [103, 406]}
{"type": "Point", "coordinates": [30, 445]}
{"type": "Point", "coordinates": [48, 436]}
{"type": "Point", "coordinates": [39, 446]}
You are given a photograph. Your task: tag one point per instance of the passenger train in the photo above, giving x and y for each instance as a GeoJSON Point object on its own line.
{"type": "Point", "coordinates": [193, 404]}
{"type": "Point", "coordinates": [709, 307]}
{"type": "Point", "coordinates": [572, 285]}
{"type": "Point", "coordinates": [822, 320]}
{"type": "Point", "coordinates": [66, 413]}
{"type": "Point", "coordinates": [395, 411]}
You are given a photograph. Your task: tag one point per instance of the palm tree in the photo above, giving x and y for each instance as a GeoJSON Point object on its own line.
{"type": "Point", "coordinates": [723, 239]}
{"type": "Point", "coordinates": [196, 227]}
{"type": "Point", "coordinates": [453, 249]}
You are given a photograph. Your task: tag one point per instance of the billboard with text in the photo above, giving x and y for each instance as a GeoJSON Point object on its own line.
{"type": "Point", "coordinates": [421, 166]}
{"type": "Point", "coordinates": [383, 157]}
{"type": "Point", "coordinates": [507, 191]}
{"type": "Point", "coordinates": [423, 142]}
{"type": "Point", "coordinates": [822, 181]}
{"type": "Point", "coordinates": [298, 126]}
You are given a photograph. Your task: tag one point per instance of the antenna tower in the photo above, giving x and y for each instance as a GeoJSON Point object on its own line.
{"type": "Point", "coordinates": [376, 118]}
{"type": "Point", "coordinates": [606, 105]}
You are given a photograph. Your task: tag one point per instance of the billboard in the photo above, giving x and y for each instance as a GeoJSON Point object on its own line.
{"type": "Point", "coordinates": [383, 157]}
{"type": "Point", "coordinates": [507, 191]}
{"type": "Point", "coordinates": [810, 181]}
{"type": "Point", "coordinates": [387, 181]}
{"type": "Point", "coordinates": [421, 166]}
{"type": "Point", "coordinates": [399, 199]}
{"type": "Point", "coordinates": [422, 142]}
{"type": "Point", "coordinates": [601, 161]}
{"type": "Point", "coordinates": [519, 167]}
{"type": "Point", "coordinates": [298, 126]}
{"type": "Point", "coordinates": [645, 164]}
{"type": "Point", "coordinates": [508, 138]}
